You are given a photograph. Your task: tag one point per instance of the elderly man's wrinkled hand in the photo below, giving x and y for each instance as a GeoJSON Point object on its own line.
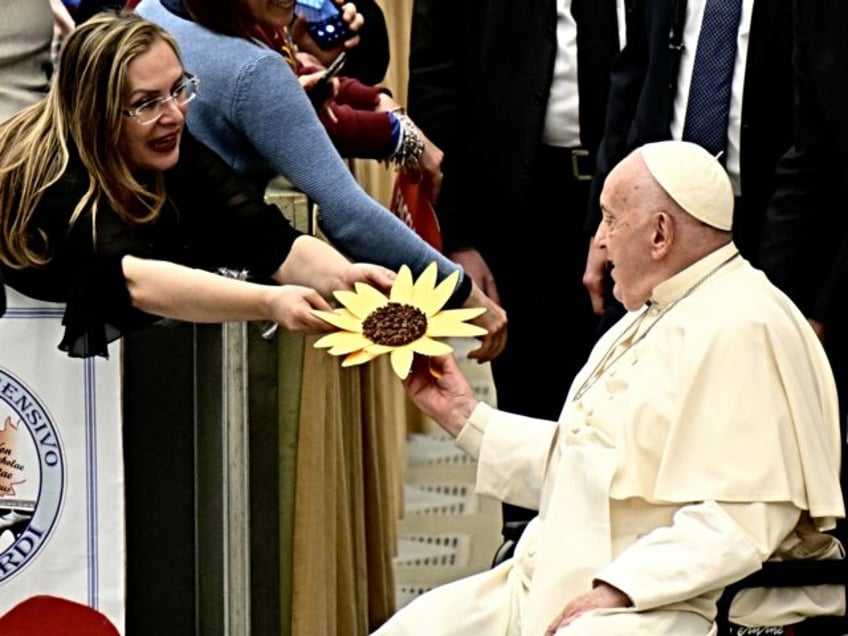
{"type": "Point", "coordinates": [437, 386]}
{"type": "Point", "coordinates": [602, 596]}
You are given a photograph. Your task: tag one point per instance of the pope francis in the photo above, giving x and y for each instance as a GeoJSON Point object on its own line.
{"type": "Point", "coordinates": [700, 439]}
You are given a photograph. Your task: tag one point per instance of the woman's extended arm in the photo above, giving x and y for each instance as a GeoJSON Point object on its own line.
{"type": "Point", "coordinates": [182, 293]}
{"type": "Point", "coordinates": [315, 263]}
{"type": "Point", "coordinates": [308, 276]}
{"type": "Point", "coordinates": [282, 126]}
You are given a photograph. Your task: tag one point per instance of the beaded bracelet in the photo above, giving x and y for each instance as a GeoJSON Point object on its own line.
{"type": "Point", "coordinates": [408, 155]}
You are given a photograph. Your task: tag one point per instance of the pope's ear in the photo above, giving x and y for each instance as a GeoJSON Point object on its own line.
{"type": "Point", "coordinates": [663, 235]}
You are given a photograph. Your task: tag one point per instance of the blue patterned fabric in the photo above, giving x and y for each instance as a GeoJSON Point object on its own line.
{"type": "Point", "coordinates": [712, 76]}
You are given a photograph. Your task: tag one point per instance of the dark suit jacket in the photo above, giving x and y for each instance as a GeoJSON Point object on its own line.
{"type": "Point", "coordinates": [480, 73]}
{"type": "Point", "coordinates": [642, 100]}
{"type": "Point", "coordinates": [805, 250]}
{"type": "Point", "coordinates": [369, 60]}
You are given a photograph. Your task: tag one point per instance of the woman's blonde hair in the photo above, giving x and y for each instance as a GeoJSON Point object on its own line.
{"type": "Point", "coordinates": [84, 107]}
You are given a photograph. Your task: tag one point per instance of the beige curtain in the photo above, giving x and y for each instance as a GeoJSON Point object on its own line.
{"type": "Point", "coordinates": [347, 494]}
{"type": "Point", "coordinates": [351, 457]}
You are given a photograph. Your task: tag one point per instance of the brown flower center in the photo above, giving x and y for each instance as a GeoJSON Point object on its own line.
{"type": "Point", "coordinates": [395, 325]}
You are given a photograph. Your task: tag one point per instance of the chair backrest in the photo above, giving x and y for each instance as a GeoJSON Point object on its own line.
{"type": "Point", "coordinates": [46, 615]}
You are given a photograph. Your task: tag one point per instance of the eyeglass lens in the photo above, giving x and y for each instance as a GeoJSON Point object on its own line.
{"type": "Point", "coordinates": [150, 111]}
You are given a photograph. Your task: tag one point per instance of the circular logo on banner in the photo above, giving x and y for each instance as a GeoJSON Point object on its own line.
{"type": "Point", "coordinates": [32, 475]}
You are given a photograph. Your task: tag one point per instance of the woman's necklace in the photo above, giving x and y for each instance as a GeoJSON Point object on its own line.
{"type": "Point", "coordinates": [607, 360]}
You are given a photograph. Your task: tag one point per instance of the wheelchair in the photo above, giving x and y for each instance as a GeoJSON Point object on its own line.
{"type": "Point", "coordinates": [772, 574]}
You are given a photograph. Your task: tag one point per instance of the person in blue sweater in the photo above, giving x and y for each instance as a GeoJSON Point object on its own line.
{"type": "Point", "coordinates": [254, 113]}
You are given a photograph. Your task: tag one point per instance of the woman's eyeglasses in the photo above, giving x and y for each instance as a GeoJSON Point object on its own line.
{"type": "Point", "coordinates": [151, 110]}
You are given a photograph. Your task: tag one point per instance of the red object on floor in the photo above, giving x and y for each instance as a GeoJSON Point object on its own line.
{"type": "Point", "coordinates": [53, 616]}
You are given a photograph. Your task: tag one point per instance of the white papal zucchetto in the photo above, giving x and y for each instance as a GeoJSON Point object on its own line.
{"type": "Point", "coordinates": [695, 179]}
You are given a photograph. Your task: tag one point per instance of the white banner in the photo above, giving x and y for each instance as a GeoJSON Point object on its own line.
{"type": "Point", "coordinates": [61, 466]}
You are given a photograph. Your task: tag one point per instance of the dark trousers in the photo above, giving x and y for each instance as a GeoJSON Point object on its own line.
{"type": "Point", "coordinates": [539, 275]}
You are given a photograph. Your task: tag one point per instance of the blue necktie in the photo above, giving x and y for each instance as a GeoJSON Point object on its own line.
{"type": "Point", "coordinates": [712, 76]}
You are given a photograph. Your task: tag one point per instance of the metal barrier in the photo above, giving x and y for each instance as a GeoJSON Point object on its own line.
{"type": "Point", "coordinates": [220, 514]}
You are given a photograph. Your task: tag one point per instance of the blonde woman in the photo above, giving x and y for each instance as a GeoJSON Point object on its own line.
{"type": "Point", "coordinates": [109, 205]}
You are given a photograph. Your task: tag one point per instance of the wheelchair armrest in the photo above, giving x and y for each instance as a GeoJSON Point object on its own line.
{"type": "Point", "coordinates": [796, 574]}
{"type": "Point", "coordinates": [789, 574]}
{"type": "Point", "coordinates": [511, 531]}
{"type": "Point", "coordinates": [504, 552]}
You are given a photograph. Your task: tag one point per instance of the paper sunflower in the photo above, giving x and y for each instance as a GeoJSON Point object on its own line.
{"type": "Point", "coordinates": [405, 323]}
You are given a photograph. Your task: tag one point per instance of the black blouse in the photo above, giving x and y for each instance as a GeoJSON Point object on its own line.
{"type": "Point", "coordinates": [210, 221]}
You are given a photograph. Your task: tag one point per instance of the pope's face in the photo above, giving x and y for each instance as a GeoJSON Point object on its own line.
{"type": "Point", "coordinates": [270, 13]}
{"type": "Point", "coordinates": [150, 75]}
{"type": "Point", "coordinates": [625, 233]}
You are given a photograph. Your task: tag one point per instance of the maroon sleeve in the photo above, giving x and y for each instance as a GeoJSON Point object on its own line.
{"type": "Point", "coordinates": [354, 93]}
{"type": "Point", "coordinates": [361, 134]}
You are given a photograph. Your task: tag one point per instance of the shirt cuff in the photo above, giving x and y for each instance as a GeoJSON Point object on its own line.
{"type": "Point", "coordinates": [470, 438]}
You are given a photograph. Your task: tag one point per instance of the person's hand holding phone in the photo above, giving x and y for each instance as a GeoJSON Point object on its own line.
{"type": "Point", "coordinates": [322, 85]}
{"type": "Point", "coordinates": [323, 37]}
{"type": "Point", "coordinates": [318, 88]}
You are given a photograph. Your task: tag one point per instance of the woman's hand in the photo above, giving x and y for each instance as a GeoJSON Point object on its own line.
{"type": "Point", "coordinates": [475, 266]}
{"type": "Point", "coordinates": [291, 307]}
{"type": "Point", "coordinates": [430, 166]}
{"type": "Point", "coordinates": [378, 277]}
{"type": "Point", "coordinates": [316, 263]}
{"type": "Point", "coordinates": [321, 93]}
{"type": "Point", "coordinates": [493, 320]}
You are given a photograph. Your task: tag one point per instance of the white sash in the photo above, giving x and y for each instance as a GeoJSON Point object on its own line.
{"type": "Point", "coordinates": [575, 542]}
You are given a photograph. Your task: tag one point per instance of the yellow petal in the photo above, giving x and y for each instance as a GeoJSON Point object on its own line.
{"type": "Point", "coordinates": [377, 349]}
{"type": "Point", "coordinates": [402, 287]}
{"type": "Point", "coordinates": [431, 303]}
{"type": "Point", "coordinates": [429, 347]}
{"type": "Point", "coordinates": [342, 338]}
{"type": "Point", "coordinates": [354, 342]}
{"type": "Point", "coordinates": [344, 311]}
{"type": "Point", "coordinates": [364, 289]}
{"type": "Point", "coordinates": [358, 357]}
{"type": "Point", "coordinates": [460, 315]}
{"type": "Point", "coordinates": [358, 304]}
{"type": "Point", "coordinates": [340, 320]}
{"type": "Point", "coordinates": [450, 329]}
{"type": "Point", "coordinates": [422, 292]}
{"type": "Point", "coordinates": [449, 323]}
{"type": "Point", "coordinates": [402, 361]}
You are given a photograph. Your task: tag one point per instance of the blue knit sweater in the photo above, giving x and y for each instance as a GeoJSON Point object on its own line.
{"type": "Point", "coordinates": [252, 111]}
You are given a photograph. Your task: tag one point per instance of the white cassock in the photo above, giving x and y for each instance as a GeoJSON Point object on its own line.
{"type": "Point", "coordinates": [700, 439]}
